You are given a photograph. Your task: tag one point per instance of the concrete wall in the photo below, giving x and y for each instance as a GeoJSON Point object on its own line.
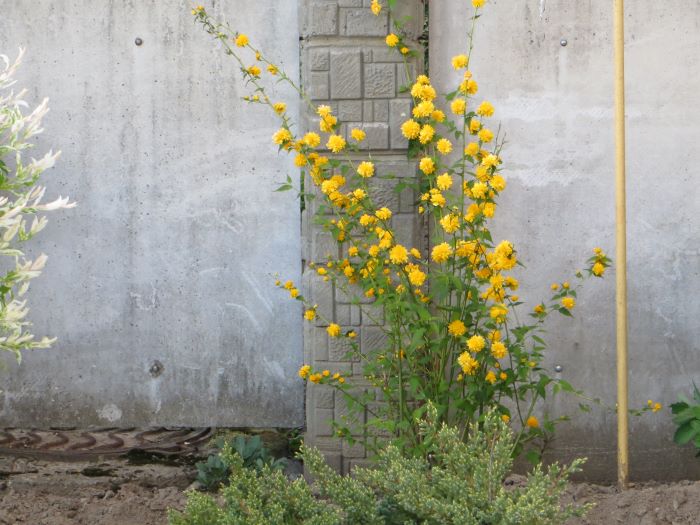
{"type": "Point", "coordinates": [170, 253]}
{"type": "Point", "coordinates": [555, 104]}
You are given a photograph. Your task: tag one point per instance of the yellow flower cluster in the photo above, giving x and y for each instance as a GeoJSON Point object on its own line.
{"type": "Point", "coordinates": [464, 281]}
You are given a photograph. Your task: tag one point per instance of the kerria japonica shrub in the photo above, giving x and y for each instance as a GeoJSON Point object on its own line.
{"type": "Point", "coordinates": [454, 338]}
{"type": "Point", "coordinates": [20, 199]}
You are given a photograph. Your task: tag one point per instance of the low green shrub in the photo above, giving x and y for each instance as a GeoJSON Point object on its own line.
{"type": "Point", "coordinates": [216, 470]}
{"type": "Point", "coordinates": [458, 482]}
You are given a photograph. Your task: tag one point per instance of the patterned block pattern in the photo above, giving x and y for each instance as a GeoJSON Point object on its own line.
{"type": "Point", "coordinates": [347, 65]}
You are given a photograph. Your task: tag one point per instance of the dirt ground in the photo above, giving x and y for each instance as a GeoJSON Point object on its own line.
{"type": "Point", "coordinates": [113, 492]}
{"type": "Point", "coordinates": [119, 492]}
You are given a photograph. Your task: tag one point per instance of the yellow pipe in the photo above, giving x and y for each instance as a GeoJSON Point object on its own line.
{"type": "Point", "coordinates": [621, 247]}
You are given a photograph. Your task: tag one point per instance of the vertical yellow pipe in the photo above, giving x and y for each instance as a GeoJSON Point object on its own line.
{"type": "Point", "coordinates": [621, 246]}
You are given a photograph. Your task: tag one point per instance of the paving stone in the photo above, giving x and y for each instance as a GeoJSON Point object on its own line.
{"type": "Point", "coordinates": [367, 112]}
{"type": "Point", "coordinates": [324, 396]}
{"type": "Point", "coordinates": [319, 86]}
{"type": "Point", "coordinates": [384, 193]}
{"type": "Point", "coordinates": [380, 80]}
{"type": "Point", "coordinates": [322, 18]}
{"type": "Point", "coordinates": [377, 135]}
{"type": "Point", "coordinates": [338, 348]}
{"type": "Point", "coordinates": [320, 59]}
{"type": "Point", "coordinates": [349, 110]}
{"type": "Point", "coordinates": [399, 112]}
{"type": "Point", "coordinates": [322, 423]}
{"type": "Point", "coordinates": [362, 22]}
{"type": "Point", "coordinates": [346, 74]}
{"type": "Point", "coordinates": [381, 110]}
{"type": "Point", "coordinates": [373, 338]}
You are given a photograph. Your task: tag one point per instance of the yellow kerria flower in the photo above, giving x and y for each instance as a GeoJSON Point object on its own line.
{"type": "Point", "coordinates": [472, 149]}
{"type": "Point", "coordinates": [358, 134]}
{"type": "Point", "coordinates": [490, 377]}
{"type": "Point", "coordinates": [427, 165]}
{"type": "Point", "coordinates": [498, 313]}
{"type": "Point", "coordinates": [539, 309]}
{"type": "Point", "coordinates": [532, 422]}
{"type": "Point", "coordinates": [365, 169]}
{"type": "Point", "coordinates": [468, 363]}
{"type": "Point", "coordinates": [476, 343]}
{"type": "Point", "coordinates": [279, 107]}
{"type": "Point", "coordinates": [444, 181]}
{"type": "Point", "coordinates": [376, 7]}
{"type": "Point", "coordinates": [410, 129]}
{"type": "Point", "coordinates": [460, 62]}
{"type": "Point", "coordinates": [327, 123]}
{"type": "Point", "coordinates": [598, 269]}
{"type": "Point", "coordinates": [474, 126]}
{"type": "Point", "coordinates": [272, 69]}
{"type": "Point", "coordinates": [282, 136]}
{"type": "Point", "coordinates": [426, 134]}
{"type": "Point", "coordinates": [479, 190]}
{"type": "Point", "coordinates": [424, 109]}
{"type": "Point", "coordinates": [441, 252]}
{"type": "Point", "coordinates": [444, 146]}
{"type": "Point", "coordinates": [438, 115]}
{"type": "Point", "coordinates": [568, 302]}
{"type": "Point", "coordinates": [392, 40]}
{"type": "Point", "coordinates": [458, 106]}
{"type": "Point", "coordinates": [485, 109]}
{"type": "Point", "coordinates": [498, 183]}
{"type": "Point", "coordinates": [490, 160]}
{"type": "Point", "coordinates": [456, 328]}
{"type": "Point", "coordinates": [505, 417]}
{"type": "Point", "coordinates": [333, 330]}
{"type": "Point", "coordinates": [438, 199]}
{"type": "Point", "coordinates": [450, 223]}
{"type": "Point", "coordinates": [311, 139]}
{"type": "Point", "coordinates": [416, 277]}
{"type": "Point", "coordinates": [498, 350]}
{"type": "Point", "coordinates": [254, 71]}
{"type": "Point", "coordinates": [485, 135]}
{"type": "Point", "coordinates": [304, 371]}
{"type": "Point", "coordinates": [336, 143]}
{"type": "Point", "coordinates": [398, 254]}
{"type": "Point", "coordinates": [383, 214]}
{"type": "Point", "coordinates": [242, 40]}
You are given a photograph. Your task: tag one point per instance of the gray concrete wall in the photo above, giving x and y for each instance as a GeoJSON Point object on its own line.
{"type": "Point", "coordinates": [556, 105]}
{"type": "Point", "coordinates": [170, 253]}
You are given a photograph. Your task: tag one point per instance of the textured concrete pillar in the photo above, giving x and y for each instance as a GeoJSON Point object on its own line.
{"type": "Point", "coordinates": [346, 64]}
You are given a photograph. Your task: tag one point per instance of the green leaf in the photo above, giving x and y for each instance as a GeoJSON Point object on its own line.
{"type": "Point", "coordinates": [684, 434]}
{"type": "Point", "coordinates": [533, 456]}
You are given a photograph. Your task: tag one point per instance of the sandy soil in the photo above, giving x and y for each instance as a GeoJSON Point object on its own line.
{"type": "Point", "coordinates": [117, 492]}
{"type": "Point", "coordinates": [106, 493]}
{"type": "Point", "coordinates": [642, 504]}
